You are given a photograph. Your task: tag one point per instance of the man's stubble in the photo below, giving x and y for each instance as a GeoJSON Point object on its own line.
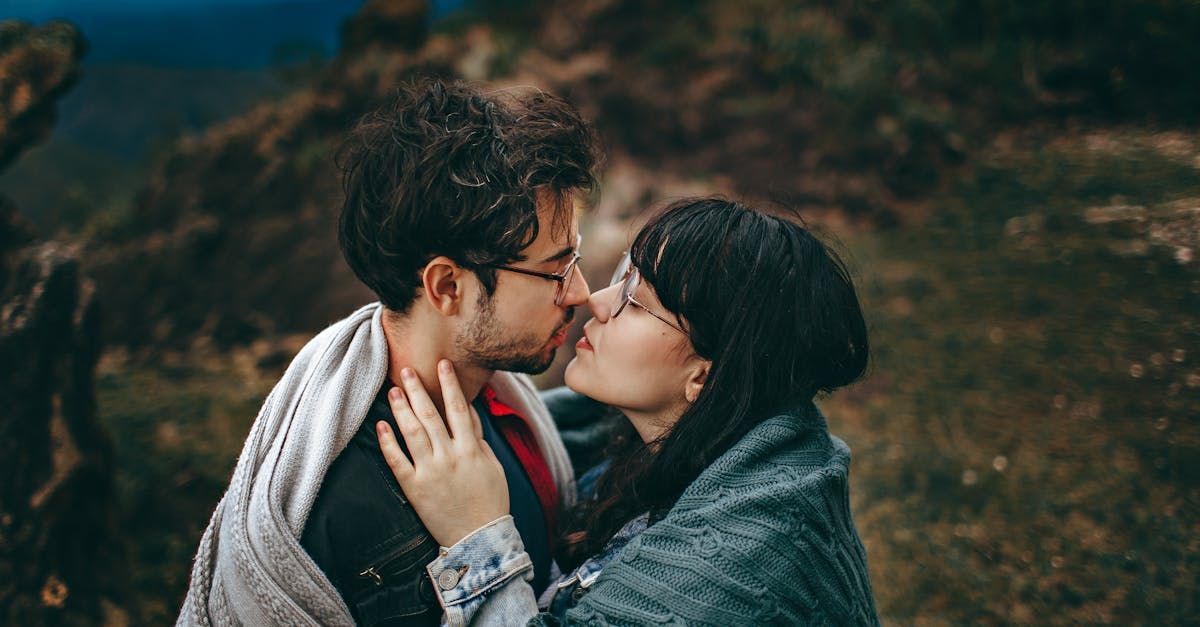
{"type": "Point", "coordinates": [487, 345]}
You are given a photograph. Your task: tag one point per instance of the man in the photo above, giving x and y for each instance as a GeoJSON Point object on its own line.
{"type": "Point", "coordinates": [459, 215]}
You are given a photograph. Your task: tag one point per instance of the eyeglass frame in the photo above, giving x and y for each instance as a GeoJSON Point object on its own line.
{"type": "Point", "coordinates": [563, 277]}
{"type": "Point", "coordinates": [628, 275]}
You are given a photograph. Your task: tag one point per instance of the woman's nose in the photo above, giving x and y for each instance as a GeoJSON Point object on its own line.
{"type": "Point", "coordinates": [600, 302]}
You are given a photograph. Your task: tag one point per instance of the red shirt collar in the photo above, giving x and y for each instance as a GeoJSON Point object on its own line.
{"type": "Point", "coordinates": [497, 407]}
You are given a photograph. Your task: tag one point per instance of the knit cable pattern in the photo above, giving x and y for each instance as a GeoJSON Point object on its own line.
{"type": "Point", "coordinates": [763, 536]}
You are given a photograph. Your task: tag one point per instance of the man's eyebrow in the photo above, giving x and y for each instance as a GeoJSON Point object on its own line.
{"type": "Point", "coordinates": [562, 254]}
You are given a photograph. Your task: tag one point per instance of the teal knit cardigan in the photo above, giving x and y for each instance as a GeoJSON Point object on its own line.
{"type": "Point", "coordinates": [763, 536]}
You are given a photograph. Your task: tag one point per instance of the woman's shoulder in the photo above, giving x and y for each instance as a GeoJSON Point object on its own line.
{"type": "Point", "coordinates": [784, 489]}
{"type": "Point", "coordinates": [791, 452]}
{"type": "Point", "coordinates": [747, 533]}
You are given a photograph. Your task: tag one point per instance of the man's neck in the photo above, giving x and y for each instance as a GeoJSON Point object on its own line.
{"type": "Point", "coordinates": [413, 344]}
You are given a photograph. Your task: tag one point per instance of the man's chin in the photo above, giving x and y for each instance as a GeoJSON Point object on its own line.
{"type": "Point", "coordinates": [543, 364]}
{"type": "Point", "coordinates": [527, 364]}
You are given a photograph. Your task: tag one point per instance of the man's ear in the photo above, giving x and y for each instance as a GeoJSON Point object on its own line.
{"type": "Point", "coordinates": [444, 283]}
{"type": "Point", "coordinates": [696, 379]}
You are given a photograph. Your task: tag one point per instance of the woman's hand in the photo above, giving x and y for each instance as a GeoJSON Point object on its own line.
{"type": "Point", "coordinates": [454, 481]}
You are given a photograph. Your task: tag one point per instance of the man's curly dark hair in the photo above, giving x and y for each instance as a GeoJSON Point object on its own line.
{"type": "Point", "coordinates": [446, 169]}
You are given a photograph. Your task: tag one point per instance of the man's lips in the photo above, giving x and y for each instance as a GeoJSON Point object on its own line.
{"type": "Point", "coordinates": [584, 343]}
{"type": "Point", "coordinates": [561, 332]}
{"type": "Point", "coordinates": [560, 335]}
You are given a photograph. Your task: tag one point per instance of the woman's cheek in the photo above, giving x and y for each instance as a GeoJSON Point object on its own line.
{"type": "Point", "coordinates": [646, 367]}
{"type": "Point", "coordinates": [592, 375]}
{"type": "Point", "coordinates": [575, 376]}
{"type": "Point", "coordinates": [607, 375]}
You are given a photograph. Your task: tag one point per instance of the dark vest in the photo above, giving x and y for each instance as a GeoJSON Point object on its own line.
{"type": "Point", "coordinates": [367, 539]}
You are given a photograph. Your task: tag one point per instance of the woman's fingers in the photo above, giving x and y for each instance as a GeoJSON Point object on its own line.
{"type": "Point", "coordinates": [411, 428]}
{"type": "Point", "coordinates": [490, 454]}
{"type": "Point", "coordinates": [392, 453]}
{"type": "Point", "coordinates": [476, 425]}
{"type": "Point", "coordinates": [457, 489]}
{"type": "Point", "coordinates": [458, 412]}
{"type": "Point", "coordinates": [425, 410]}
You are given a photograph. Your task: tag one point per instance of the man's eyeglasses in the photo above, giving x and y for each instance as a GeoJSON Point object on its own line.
{"type": "Point", "coordinates": [628, 276]}
{"type": "Point", "coordinates": [563, 277]}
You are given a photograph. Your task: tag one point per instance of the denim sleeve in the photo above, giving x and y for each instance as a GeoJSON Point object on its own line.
{"type": "Point", "coordinates": [484, 578]}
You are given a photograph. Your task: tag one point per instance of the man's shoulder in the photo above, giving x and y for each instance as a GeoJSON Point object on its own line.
{"type": "Point", "coordinates": [361, 531]}
{"type": "Point", "coordinates": [785, 482]}
{"type": "Point", "coordinates": [358, 480]}
{"type": "Point", "coordinates": [358, 486]}
{"type": "Point", "coordinates": [318, 343]}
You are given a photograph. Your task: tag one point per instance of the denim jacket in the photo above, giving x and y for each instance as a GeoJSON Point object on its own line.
{"type": "Point", "coordinates": [567, 591]}
{"type": "Point", "coordinates": [484, 578]}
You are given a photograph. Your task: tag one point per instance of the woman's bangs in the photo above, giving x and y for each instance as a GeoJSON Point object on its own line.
{"type": "Point", "coordinates": [672, 252]}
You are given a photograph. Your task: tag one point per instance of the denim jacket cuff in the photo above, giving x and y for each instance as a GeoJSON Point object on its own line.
{"type": "Point", "coordinates": [480, 562]}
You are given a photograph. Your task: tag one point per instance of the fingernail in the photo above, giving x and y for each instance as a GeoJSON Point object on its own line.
{"type": "Point", "coordinates": [407, 373]}
{"type": "Point", "coordinates": [394, 394]}
{"type": "Point", "coordinates": [444, 366]}
{"type": "Point", "coordinates": [380, 428]}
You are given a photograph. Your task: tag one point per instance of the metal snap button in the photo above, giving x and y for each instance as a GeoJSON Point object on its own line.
{"type": "Point", "coordinates": [448, 578]}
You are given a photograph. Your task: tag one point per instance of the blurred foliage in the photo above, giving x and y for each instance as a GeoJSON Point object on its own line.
{"type": "Point", "coordinates": [1123, 57]}
{"type": "Point", "coordinates": [37, 65]}
{"type": "Point", "coordinates": [178, 426]}
{"type": "Point", "coordinates": [915, 82]}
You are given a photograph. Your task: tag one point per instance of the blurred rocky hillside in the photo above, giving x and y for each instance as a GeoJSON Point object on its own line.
{"type": "Point", "coordinates": [37, 66]}
{"type": "Point", "coordinates": [56, 470]}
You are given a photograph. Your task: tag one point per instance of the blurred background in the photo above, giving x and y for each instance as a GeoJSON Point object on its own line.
{"type": "Point", "coordinates": [1015, 185]}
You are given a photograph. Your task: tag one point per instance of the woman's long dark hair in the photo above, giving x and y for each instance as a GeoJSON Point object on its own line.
{"type": "Point", "coordinates": [770, 306]}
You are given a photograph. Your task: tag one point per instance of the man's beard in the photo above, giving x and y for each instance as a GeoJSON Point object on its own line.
{"type": "Point", "coordinates": [486, 345]}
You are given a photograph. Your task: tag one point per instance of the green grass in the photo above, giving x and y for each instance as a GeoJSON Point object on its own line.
{"type": "Point", "coordinates": [1026, 449]}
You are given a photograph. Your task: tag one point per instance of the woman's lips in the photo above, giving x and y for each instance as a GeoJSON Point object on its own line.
{"type": "Point", "coordinates": [583, 344]}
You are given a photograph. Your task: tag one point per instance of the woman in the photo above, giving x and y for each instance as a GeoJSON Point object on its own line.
{"type": "Point", "coordinates": [725, 499]}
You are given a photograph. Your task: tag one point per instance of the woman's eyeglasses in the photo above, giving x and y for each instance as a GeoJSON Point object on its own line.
{"type": "Point", "coordinates": [628, 276]}
{"type": "Point", "coordinates": [563, 277]}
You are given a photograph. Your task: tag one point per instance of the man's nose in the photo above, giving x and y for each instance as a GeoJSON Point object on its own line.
{"type": "Point", "coordinates": [578, 291]}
